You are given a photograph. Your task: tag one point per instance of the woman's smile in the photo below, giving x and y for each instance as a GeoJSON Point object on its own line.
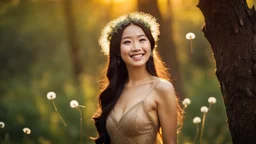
{"type": "Point", "coordinates": [137, 57]}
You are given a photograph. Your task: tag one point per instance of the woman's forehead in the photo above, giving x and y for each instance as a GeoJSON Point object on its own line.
{"type": "Point", "coordinates": [133, 30]}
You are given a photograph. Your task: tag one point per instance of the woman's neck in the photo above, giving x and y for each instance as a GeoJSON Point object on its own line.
{"type": "Point", "coordinates": [138, 76]}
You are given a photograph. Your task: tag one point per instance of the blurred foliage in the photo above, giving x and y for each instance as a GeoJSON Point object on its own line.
{"type": "Point", "coordinates": [35, 59]}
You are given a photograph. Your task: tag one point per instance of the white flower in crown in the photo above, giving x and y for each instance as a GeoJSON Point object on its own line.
{"type": "Point", "coordinates": [115, 25]}
{"type": "Point", "coordinates": [212, 100]}
{"type": "Point", "coordinates": [2, 124]}
{"type": "Point", "coordinates": [26, 130]}
{"type": "Point", "coordinates": [51, 95]}
{"type": "Point", "coordinates": [196, 120]}
{"type": "Point", "coordinates": [74, 104]}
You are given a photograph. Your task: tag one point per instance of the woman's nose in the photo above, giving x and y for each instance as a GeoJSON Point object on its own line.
{"type": "Point", "coordinates": [136, 46]}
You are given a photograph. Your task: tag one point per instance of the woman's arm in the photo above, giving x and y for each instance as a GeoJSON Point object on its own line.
{"type": "Point", "coordinates": [167, 111]}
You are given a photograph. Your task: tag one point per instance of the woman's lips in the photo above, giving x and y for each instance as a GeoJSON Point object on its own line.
{"type": "Point", "coordinates": [137, 57]}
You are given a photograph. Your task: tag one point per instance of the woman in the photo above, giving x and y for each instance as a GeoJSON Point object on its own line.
{"type": "Point", "coordinates": [137, 98]}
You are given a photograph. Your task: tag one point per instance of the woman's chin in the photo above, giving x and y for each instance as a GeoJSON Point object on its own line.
{"type": "Point", "coordinates": [137, 64]}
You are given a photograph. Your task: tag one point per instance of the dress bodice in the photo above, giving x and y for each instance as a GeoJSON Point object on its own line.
{"type": "Point", "coordinates": [134, 127]}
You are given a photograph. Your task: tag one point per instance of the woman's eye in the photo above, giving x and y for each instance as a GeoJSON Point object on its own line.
{"type": "Point", "coordinates": [142, 39]}
{"type": "Point", "coordinates": [126, 42]}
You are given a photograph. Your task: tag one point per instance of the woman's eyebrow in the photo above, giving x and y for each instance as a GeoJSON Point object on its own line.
{"type": "Point", "coordinates": [131, 37]}
{"type": "Point", "coordinates": [141, 35]}
{"type": "Point", "coordinates": [126, 37]}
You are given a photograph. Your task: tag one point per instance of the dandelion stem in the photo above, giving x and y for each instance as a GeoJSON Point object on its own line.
{"type": "Point", "coordinates": [202, 130]}
{"type": "Point", "coordinates": [197, 131]}
{"type": "Point", "coordinates": [81, 120]}
{"type": "Point", "coordinates": [58, 113]}
{"type": "Point", "coordinates": [6, 138]}
{"type": "Point", "coordinates": [191, 49]}
{"type": "Point", "coordinates": [210, 106]}
{"type": "Point", "coordinates": [25, 139]}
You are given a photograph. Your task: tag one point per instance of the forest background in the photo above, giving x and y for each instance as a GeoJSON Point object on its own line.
{"type": "Point", "coordinates": [52, 45]}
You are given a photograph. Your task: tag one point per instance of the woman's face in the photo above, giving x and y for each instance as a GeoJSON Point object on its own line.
{"type": "Point", "coordinates": [135, 47]}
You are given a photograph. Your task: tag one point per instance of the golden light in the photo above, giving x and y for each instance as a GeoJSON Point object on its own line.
{"type": "Point", "coordinates": [109, 1]}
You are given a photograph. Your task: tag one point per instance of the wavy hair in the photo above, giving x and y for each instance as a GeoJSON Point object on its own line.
{"type": "Point", "coordinates": [115, 76]}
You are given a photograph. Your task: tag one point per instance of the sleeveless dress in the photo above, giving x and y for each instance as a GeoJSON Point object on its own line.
{"type": "Point", "coordinates": [134, 127]}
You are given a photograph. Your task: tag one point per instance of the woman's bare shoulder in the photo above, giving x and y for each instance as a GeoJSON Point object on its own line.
{"type": "Point", "coordinates": [163, 86]}
{"type": "Point", "coordinates": [164, 90]}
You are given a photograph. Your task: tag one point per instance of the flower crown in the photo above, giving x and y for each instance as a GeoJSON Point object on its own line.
{"type": "Point", "coordinates": [115, 25]}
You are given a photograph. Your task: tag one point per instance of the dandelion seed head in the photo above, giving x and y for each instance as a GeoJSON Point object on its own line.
{"type": "Point", "coordinates": [26, 131]}
{"type": "Point", "coordinates": [2, 124]}
{"type": "Point", "coordinates": [196, 120]}
{"type": "Point", "coordinates": [186, 102]}
{"type": "Point", "coordinates": [51, 95]}
{"type": "Point", "coordinates": [204, 109]}
{"type": "Point", "coordinates": [212, 100]}
{"type": "Point", "coordinates": [190, 36]}
{"type": "Point", "coordinates": [74, 104]}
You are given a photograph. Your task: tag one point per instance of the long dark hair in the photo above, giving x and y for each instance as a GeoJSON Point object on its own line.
{"type": "Point", "coordinates": [115, 76]}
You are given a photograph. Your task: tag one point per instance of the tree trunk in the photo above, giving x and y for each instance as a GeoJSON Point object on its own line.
{"type": "Point", "coordinates": [72, 39]}
{"type": "Point", "coordinates": [230, 28]}
{"type": "Point", "coordinates": [166, 45]}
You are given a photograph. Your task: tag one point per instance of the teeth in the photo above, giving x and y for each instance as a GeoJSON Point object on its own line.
{"type": "Point", "coordinates": [136, 56]}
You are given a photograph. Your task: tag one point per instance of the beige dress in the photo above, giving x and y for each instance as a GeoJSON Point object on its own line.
{"type": "Point", "coordinates": [134, 127]}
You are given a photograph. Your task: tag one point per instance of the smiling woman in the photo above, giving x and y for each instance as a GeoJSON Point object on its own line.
{"type": "Point", "coordinates": [136, 99]}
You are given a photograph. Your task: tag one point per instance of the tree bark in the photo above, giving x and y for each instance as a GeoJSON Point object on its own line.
{"type": "Point", "coordinates": [72, 39]}
{"type": "Point", "coordinates": [230, 28]}
{"type": "Point", "coordinates": [166, 45]}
